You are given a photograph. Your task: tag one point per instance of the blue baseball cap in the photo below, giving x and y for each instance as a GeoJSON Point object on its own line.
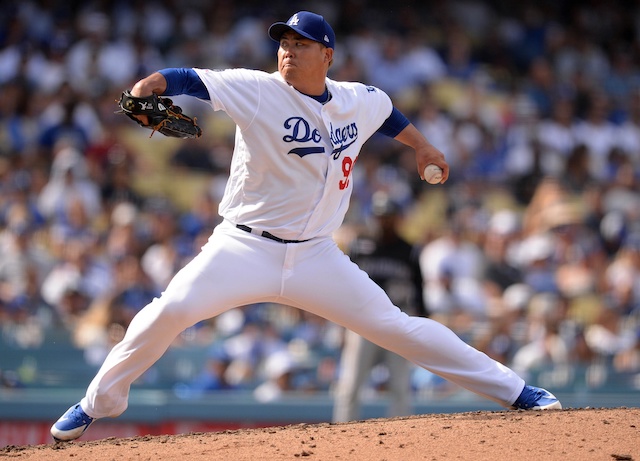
{"type": "Point", "coordinates": [309, 25]}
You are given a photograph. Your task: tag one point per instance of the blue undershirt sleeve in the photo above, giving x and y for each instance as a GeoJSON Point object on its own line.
{"type": "Point", "coordinates": [393, 125]}
{"type": "Point", "coordinates": [184, 81]}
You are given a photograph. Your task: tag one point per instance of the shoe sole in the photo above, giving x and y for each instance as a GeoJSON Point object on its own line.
{"type": "Point", "coordinates": [553, 406]}
{"type": "Point", "coordinates": [58, 440]}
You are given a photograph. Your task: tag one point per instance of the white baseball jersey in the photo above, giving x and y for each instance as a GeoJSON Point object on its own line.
{"type": "Point", "coordinates": [307, 148]}
{"type": "Point", "coordinates": [290, 176]}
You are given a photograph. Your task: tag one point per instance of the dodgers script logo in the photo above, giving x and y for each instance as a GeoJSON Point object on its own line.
{"type": "Point", "coordinates": [342, 138]}
{"type": "Point", "coordinates": [301, 131]}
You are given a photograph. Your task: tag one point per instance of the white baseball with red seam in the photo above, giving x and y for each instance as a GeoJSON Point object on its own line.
{"type": "Point", "coordinates": [432, 174]}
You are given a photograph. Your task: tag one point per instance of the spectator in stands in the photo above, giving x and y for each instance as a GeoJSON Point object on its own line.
{"type": "Point", "coordinates": [96, 61]}
{"type": "Point", "coordinates": [452, 266]}
{"type": "Point", "coordinates": [401, 66]}
{"type": "Point", "coordinates": [213, 377]}
{"type": "Point", "coordinates": [621, 276]}
{"type": "Point", "coordinates": [621, 82]}
{"type": "Point", "coordinates": [556, 135]}
{"type": "Point", "coordinates": [544, 346]}
{"type": "Point", "coordinates": [161, 259]}
{"type": "Point", "coordinates": [629, 130]}
{"type": "Point", "coordinates": [541, 86]}
{"type": "Point", "coordinates": [499, 271]}
{"type": "Point", "coordinates": [76, 279]}
{"type": "Point", "coordinates": [435, 123]}
{"type": "Point", "coordinates": [598, 134]}
{"type": "Point", "coordinates": [21, 267]}
{"type": "Point", "coordinates": [68, 181]}
{"type": "Point", "coordinates": [612, 340]}
{"type": "Point", "coordinates": [458, 55]}
{"type": "Point", "coordinates": [102, 324]}
{"type": "Point", "coordinates": [123, 237]}
{"type": "Point", "coordinates": [577, 172]}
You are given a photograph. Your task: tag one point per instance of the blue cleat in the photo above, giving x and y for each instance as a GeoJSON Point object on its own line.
{"type": "Point", "coordinates": [71, 425]}
{"type": "Point", "coordinates": [536, 398]}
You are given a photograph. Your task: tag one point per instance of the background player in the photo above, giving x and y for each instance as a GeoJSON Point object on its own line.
{"type": "Point", "coordinates": [392, 263]}
{"type": "Point", "coordinates": [298, 137]}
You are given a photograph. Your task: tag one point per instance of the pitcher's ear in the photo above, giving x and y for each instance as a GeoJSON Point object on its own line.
{"type": "Point", "coordinates": [328, 55]}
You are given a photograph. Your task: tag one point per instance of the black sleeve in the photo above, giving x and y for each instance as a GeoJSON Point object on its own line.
{"type": "Point", "coordinates": [418, 281]}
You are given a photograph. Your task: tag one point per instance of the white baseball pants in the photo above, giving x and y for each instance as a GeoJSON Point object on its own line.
{"type": "Point", "coordinates": [236, 268]}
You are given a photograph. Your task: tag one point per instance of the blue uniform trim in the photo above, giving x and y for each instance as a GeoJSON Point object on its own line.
{"type": "Point", "coordinates": [393, 125]}
{"type": "Point", "coordinates": [184, 81]}
{"type": "Point", "coordinates": [323, 98]}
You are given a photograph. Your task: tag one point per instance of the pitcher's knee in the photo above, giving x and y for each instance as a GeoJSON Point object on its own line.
{"type": "Point", "coordinates": [167, 312]}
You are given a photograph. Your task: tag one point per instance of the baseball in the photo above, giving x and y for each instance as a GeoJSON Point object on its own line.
{"type": "Point", "coordinates": [432, 174]}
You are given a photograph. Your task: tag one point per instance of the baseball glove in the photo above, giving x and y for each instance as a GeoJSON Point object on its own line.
{"type": "Point", "coordinates": [162, 115]}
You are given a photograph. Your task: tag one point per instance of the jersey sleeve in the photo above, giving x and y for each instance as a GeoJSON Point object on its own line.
{"type": "Point", "coordinates": [377, 106]}
{"type": "Point", "coordinates": [183, 81]}
{"type": "Point", "coordinates": [393, 125]}
{"type": "Point", "coordinates": [234, 91]}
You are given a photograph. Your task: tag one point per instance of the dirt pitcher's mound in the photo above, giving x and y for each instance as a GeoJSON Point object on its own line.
{"type": "Point", "coordinates": [575, 434]}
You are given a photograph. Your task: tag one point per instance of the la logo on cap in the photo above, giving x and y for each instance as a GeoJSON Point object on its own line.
{"type": "Point", "coordinates": [294, 20]}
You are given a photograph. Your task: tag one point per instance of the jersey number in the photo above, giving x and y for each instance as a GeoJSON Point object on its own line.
{"type": "Point", "coordinates": [347, 168]}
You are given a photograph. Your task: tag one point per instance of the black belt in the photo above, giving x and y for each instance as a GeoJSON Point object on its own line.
{"type": "Point", "coordinates": [269, 235]}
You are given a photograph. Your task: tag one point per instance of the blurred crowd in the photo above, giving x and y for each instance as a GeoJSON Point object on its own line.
{"type": "Point", "coordinates": [530, 252]}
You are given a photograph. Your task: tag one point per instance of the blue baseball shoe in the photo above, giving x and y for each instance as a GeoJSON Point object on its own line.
{"type": "Point", "coordinates": [71, 425]}
{"type": "Point", "coordinates": [536, 398]}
